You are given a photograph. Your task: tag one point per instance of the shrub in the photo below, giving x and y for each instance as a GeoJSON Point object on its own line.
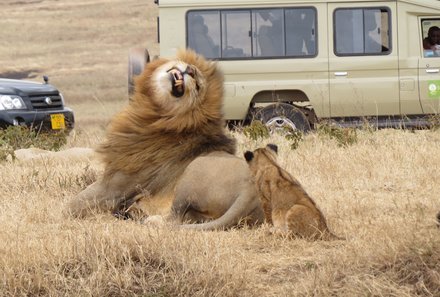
{"type": "Point", "coordinates": [19, 137]}
{"type": "Point", "coordinates": [256, 130]}
{"type": "Point", "coordinates": [343, 136]}
{"type": "Point", "coordinates": [294, 137]}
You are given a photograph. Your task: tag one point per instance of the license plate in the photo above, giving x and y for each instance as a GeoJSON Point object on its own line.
{"type": "Point", "coordinates": [57, 121]}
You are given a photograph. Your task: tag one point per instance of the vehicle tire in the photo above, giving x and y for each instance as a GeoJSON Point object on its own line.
{"type": "Point", "coordinates": [282, 115]}
{"type": "Point", "coordinates": [137, 58]}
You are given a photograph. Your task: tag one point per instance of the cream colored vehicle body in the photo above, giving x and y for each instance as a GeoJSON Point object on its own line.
{"type": "Point", "coordinates": [324, 80]}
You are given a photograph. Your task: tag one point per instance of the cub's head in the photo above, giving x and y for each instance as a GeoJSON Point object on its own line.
{"type": "Point", "coordinates": [185, 91]}
{"type": "Point", "coordinates": [261, 156]}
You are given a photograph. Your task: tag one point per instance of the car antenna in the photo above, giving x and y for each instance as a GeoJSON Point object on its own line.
{"type": "Point", "coordinates": [46, 79]}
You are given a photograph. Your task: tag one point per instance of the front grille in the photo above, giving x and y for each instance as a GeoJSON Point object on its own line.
{"type": "Point", "coordinates": [39, 102]}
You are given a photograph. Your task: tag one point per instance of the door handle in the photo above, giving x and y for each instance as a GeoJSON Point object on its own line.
{"type": "Point", "coordinates": [341, 73]}
{"type": "Point", "coordinates": [432, 70]}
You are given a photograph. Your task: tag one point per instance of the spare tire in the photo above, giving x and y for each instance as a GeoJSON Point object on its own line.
{"type": "Point", "coordinates": [137, 58]}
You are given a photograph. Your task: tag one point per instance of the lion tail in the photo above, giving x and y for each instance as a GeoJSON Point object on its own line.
{"type": "Point", "coordinates": [243, 206]}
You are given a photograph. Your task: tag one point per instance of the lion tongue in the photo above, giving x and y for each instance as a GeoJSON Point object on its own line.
{"type": "Point", "coordinates": [177, 81]}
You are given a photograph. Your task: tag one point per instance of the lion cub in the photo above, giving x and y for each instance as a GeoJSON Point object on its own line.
{"type": "Point", "coordinates": [285, 203]}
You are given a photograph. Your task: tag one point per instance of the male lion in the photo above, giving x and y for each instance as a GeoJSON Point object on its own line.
{"type": "Point", "coordinates": [285, 203]}
{"type": "Point", "coordinates": [217, 186]}
{"type": "Point", "coordinates": [174, 117]}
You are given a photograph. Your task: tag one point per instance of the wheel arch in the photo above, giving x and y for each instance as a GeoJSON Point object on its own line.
{"type": "Point", "coordinates": [270, 96]}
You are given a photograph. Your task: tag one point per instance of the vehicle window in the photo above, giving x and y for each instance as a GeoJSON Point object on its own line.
{"type": "Point", "coordinates": [204, 33]}
{"type": "Point", "coordinates": [268, 32]}
{"type": "Point", "coordinates": [236, 37]}
{"type": "Point", "coordinates": [254, 33]}
{"type": "Point", "coordinates": [431, 37]}
{"type": "Point", "coordinates": [300, 32]}
{"type": "Point", "coordinates": [362, 31]}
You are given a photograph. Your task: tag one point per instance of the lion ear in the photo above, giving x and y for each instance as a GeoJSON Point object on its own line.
{"type": "Point", "coordinates": [248, 156]}
{"type": "Point", "coordinates": [273, 147]}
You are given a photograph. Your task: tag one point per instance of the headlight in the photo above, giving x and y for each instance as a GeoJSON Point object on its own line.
{"type": "Point", "coordinates": [11, 102]}
{"type": "Point", "coordinates": [62, 98]}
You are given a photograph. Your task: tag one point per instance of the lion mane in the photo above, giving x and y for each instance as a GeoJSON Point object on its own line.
{"type": "Point", "coordinates": [174, 116]}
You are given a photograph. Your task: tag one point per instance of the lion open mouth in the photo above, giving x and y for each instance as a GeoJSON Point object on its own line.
{"type": "Point", "coordinates": [177, 82]}
{"type": "Point", "coordinates": [177, 78]}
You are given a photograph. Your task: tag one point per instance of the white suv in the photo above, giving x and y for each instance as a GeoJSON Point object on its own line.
{"type": "Point", "coordinates": [292, 62]}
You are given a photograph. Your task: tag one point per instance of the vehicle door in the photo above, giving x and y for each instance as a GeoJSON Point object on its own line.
{"type": "Point", "coordinates": [363, 59]}
{"type": "Point", "coordinates": [429, 65]}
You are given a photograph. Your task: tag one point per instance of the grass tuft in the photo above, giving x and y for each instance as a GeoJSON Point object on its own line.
{"type": "Point", "coordinates": [294, 137]}
{"type": "Point", "coordinates": [19, 137]}
{"type": "Point", "coordinates": [256, 131]}
{"type": "Point", "coordinates": [343, 136]}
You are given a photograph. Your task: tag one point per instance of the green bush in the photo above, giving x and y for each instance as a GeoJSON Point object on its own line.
{"type": "Point", "coordinates": [343, 136]}
{"type": "Point", "coordinates": [294, 137]}
{"type": "Point", "coordinates": [256, 130]}
{"type": "Point", "coordinates": [19, 137]}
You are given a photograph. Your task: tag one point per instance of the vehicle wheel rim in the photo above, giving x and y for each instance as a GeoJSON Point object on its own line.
{"type": "Point", "coordinates": [279, 124]}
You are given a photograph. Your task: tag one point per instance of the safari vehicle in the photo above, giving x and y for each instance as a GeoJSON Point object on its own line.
{"type": "Point", "coordinates": [33, 104]}
{"type": "Point", "coordinates": [293, 62]}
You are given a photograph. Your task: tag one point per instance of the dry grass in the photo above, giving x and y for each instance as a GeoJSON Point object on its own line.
{"type": "Point", "coordinates": [81, 45]}
{"type": "Point", "coordinates": [381, 192]}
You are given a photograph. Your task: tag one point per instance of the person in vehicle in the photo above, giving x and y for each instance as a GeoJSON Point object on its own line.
{"type": "Point", "coordinates": [270, 37]}
{"type": "Point", "coordinates": [433, 39]}
{"type": "Point", "coordinates": [199, 39]}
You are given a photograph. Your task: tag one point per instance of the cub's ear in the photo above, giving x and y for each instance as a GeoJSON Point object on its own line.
{"type": "Point", "coordinates": [248, 156]}
{"type": "Point", "coordinates": [273, 147]}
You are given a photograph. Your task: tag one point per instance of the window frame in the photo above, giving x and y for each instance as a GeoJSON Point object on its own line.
{"type": "Point", "coordinates": [390, 31]}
